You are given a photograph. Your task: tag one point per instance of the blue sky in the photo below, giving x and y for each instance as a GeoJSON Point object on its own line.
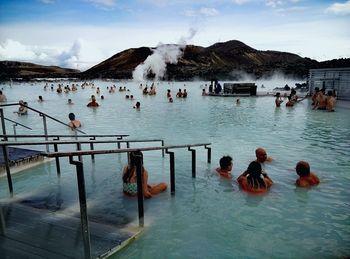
{"type": "Point", "coordinates": [82, 33]}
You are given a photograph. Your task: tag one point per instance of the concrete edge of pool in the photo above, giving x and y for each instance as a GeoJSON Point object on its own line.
{"type": "Point", "coordinates": [114, 251]}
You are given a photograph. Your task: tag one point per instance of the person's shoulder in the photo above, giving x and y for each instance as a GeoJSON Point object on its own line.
{"type": "Point", "coordinates": [302, 183]}
{"type": "Point", "coordinates": [242, 179]}
{"type": "Point", "coordinates": [315, 178]}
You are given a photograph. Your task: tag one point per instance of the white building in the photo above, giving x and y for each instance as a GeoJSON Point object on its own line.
{"type": "Point", "coordinates": [331, 78]}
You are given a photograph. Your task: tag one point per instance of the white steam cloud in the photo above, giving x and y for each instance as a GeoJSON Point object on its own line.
{"type": "Point", "coordinates": [163, 54]}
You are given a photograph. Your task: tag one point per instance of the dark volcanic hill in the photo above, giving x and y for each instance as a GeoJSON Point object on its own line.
{"type": "Point", "coordinates": [24, 70]}
{"type": "Point", "coordinates": [218, 60]}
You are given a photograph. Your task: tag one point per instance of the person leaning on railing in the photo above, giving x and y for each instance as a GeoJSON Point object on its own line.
{"type": "Point", "coordinates": [130, 179]}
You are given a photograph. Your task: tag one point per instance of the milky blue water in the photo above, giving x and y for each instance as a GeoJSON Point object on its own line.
{"type": "Point", "coordinates": [208, 217]}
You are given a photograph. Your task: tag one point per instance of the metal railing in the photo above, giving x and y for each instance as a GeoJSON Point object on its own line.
{"type": "Point", "coordinates": [80, 172]}
{"type": "Point", "coordinates": [55, 144]}
{"type": "Point", "coordinates": [14, 125]}
{"type": "Point", "coordinates": [139, 173]}
{"type": "Point", "coordinates": [42, 114]}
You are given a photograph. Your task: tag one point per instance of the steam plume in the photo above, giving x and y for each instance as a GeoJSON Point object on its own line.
{"type": "Point", "coordinates": [162, 54]}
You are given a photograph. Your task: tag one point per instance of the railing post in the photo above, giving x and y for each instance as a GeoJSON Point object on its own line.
{"type": "Point", "coordinates": [3, 125]}
{"type": "Point", "coordinates": [2, 222]}
{"type": "Point", "coordinates": [209, 153]}
{"type": "Point", "coordinates": [193, 162]}
{"type": "Point", "coordinates": [45, 130]}
{"type": "Point", "coordinates": [5, 152]}
{"type": "Point", "coordinates": [14, 130]}
{"type": "Point", "coordinates": [172, 171]}
{"type": "Point", "coordinates": [128, 146]}
{"type": "Point", "coordinates": [162, 149]}
{"type": "Point", "coordinates": [83, 207]}
{"type": "Point", "coordinates": [119, 138]}
{"type": "Point", "coordinates": [58, 167]}
{"type": "Point", "coordinates": [92, 148]}
{"type": "Point", "coordinates": [79, 148]}
{"type": "Point", "coordinates": [139, 176]}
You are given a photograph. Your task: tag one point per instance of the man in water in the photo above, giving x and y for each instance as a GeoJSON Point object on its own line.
{"type": "Point", "coordinates": [306, 178]}
{"type": "Point", "coordinates": [261, 156]}
{"type": "Point", "coordinates": [93, 102]}
{"type": "Point", "coordinates": [225, 168]}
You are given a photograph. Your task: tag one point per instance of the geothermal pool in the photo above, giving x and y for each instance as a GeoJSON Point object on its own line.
{"type": "Point", "coordinates": [208, 217]}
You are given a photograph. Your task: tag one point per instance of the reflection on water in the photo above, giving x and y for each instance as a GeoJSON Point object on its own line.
{"type": "Point", "coordinates": [207, 217]}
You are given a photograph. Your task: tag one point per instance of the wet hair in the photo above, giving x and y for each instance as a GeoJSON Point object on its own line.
{"type": "Point", "coordinates": [132, 165]}
{"type": "Point", "coordinates": [138, 105]}
{"type": "Point", "coordinates": [302, 168]}
{"type": "Point", "coordinates": [225, 162]}
{"type": "Point", "coordinates": [71, 116]}
{"type": "Point", "coordinates": [317, 89]}
{"type": "Point", "coordinates": [254, 175]}
{"type": "Point", "coordinates": [330, 93]}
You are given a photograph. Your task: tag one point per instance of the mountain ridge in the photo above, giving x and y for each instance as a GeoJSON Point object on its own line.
{"type": "Point", "coordinates": [219, 60]}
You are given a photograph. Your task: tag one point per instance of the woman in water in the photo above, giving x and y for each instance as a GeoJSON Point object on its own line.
{"type": "Point", "coordinates": [130, 178]}
{"type": "Point", "coordinates": [253, 180]}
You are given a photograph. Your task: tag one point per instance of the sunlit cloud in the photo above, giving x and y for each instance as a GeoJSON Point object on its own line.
{"type": "Point", "coordinates": [274, 3]}
{"type": "Point", "coordinates": [204, 11]}
{"type": "Point", "coordinates": [81, 55]}
{"type": "Point", "coordinates": [339, 8]}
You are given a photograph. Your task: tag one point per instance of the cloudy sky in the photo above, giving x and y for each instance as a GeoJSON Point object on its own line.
{"type": "Point", "coordinates": [82, 33]}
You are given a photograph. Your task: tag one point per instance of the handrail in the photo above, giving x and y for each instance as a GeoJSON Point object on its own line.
{"type": "Point", "coordinates": [41, 114]}
{"type": "Point", "coordinates": [50, 142]}
{"type": "Point", "coordinates": [112, 151]}
{"type": "Point", "coordinates": [17, 123]}
{"type": "Point", "coordinates": [65, 135]}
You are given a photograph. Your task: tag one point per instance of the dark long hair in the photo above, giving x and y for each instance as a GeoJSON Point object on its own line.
{"type": "Point", "coordinates": [254, 175]}
{"type": "Point", "coordinates": [132, 165]}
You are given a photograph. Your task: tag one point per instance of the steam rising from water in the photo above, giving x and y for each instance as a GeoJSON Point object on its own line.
{"type": "Point", "coordinates": [162, 54]}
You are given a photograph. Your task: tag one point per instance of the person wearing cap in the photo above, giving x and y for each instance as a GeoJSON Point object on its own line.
{"type": "Point", "coordinates": [225, 168]}
{"type": "Point", "coordinates": [306, 178]}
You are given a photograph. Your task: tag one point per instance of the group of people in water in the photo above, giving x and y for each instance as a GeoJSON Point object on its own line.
{"type": "Point", "coordinates": [255, 178]}
{"type": "Point", "coordinates": [320, 100]}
